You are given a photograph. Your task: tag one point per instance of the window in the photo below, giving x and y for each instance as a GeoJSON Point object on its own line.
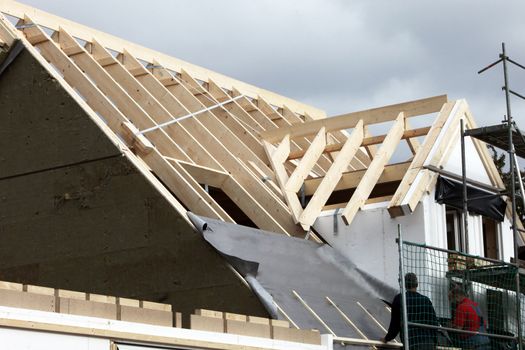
{"type": "Point", "coordinates": [454, 237]}
{"type": "Point", "coordinates": [490, 238]}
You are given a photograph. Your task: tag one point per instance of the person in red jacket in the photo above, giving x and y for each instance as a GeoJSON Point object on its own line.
{"type": "Point", "coordinates": [468, 317]}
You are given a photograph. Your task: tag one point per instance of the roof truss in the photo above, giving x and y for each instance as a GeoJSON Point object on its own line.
{"type": "Point", "coordinates": [194, 128]}
{"type": "Point", "coordinates": [361, 182]}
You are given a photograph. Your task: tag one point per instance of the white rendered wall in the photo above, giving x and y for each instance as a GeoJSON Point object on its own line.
{"type": "Point", "coordinates": [474, 165]}
{"type": "Point", "coordinates": [31, 340]}
{"type": "Point", "coordinates": [369, 241]}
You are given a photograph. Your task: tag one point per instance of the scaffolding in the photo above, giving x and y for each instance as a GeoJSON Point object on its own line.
{"type": "Point", "coordinates": [507, 137]}
{"type": "Point", "coordinates": [487, 283]}
{"type": "Point", "coordinates": [492, 286]}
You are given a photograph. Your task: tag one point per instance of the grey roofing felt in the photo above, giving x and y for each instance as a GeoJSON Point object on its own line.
{"type": "Point", "coordinates": [281, 264]}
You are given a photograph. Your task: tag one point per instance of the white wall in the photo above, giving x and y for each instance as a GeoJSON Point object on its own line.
{"type": "Point", "coordinates": [474, 165]}
{"type": "Point", "coordinates": [369, 241]}
{"type": "Point", "coordinates": [31, 340]}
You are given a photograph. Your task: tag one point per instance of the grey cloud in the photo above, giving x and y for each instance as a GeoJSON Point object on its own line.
{"type": "Point", "coordinates": [337, 55]}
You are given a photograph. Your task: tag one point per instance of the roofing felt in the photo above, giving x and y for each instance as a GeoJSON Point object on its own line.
{"type": "Point", "coordinates": [290, 267]}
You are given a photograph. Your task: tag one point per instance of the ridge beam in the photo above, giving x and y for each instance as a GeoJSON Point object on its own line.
{"type": "Point", "coordinates": [369, 116]}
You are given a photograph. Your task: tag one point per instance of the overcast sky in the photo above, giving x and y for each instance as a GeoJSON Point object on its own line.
{"type": "Point", "coordinates": [338, 55]}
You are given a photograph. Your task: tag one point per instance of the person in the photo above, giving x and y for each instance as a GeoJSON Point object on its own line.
{"type": "Point", "coordinates": [419, 310]}
{"type": "Point", "coordinates": [468, 317]}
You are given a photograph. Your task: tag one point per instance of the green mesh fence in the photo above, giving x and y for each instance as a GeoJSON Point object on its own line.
{"type": "Point", "coordinates": [461, 301]}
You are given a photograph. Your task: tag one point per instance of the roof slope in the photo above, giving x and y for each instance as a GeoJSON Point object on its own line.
{"type": "Point", "coordinates": [230, 151]}
{"type": "Point", "coordinates": [319, 288]}
{"type": "Point", "coordinates": [79, 212]}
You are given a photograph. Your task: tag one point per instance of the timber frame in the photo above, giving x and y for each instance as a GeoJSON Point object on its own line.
{"type": "Point", "coordinates": [194, 129]}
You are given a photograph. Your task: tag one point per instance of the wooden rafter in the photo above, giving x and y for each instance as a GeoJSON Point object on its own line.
{"type": "Point", "coordinates": [172, 176]}
{"type": "Point", "coordinates": [245, 133]}
{"type": "Point", "coordinates": [332, 177]}
{"type": "Point", "coordinates": [307, 162]}
{"type": "Point", "coordinates": [140, 95]}
{"type": "Point", "coordinates": [375, 169]}
{"type": "Point", "coordinates": [350, 180]}
{"type": "Point", "coordinates": [371, 149]}
{"type": "Point", "coordinates": [394, 207]}
{"type": "Point", "coordinates": [253, 110]}
{"type": "Point", "coordinates": [227, 148]}
{"type": "Point", "coordinates": [412, 142]}
{"type": "Point", "coordinates": [114, 43]}
{"type": "Point", "coordinates": [277, 156]}
{"type": "Point", "coordinates": [437, 156]}
{"type": "Point", "coordinates": [287, 118]}
{"type": "Point", "coordinates": [231, 147]}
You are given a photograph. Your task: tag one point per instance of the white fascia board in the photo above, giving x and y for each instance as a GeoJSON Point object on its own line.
{"type": "Point", "coordinates": [93, 324]}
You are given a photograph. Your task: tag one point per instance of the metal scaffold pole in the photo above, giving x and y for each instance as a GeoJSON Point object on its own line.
{"type": "Point", "coordinates": [403, 289]}
{"type": "Point", "coordinates": [512, 166]}
{"type": "Point", "coordinates": [464, 223]}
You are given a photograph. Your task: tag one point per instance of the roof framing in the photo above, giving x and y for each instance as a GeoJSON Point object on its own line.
{"type": "Point", "coordinates": [83, 32]}
{"type": "Point", "coordinates": [264, 151]}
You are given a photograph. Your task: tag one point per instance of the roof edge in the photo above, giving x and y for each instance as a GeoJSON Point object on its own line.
{"type": "Point", "coordinates": [16, 9]}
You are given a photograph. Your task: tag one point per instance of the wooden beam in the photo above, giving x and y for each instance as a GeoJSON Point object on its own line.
{"type": "Point", "coordinates": [80, 31]}
{"type": "Point", "coordinates": [172, 177]}
{"type": "Point", "coordinates": [349, 180]}
{"type": "Point", "coordinates": [307, 162]}
{"type": "Point", "coordinates": [111, 89]}
{"type": "Point", "coordinates": [184, 186]}
{"type": "Point", "coordinates": [371, 150]}
{"type": "Point", "coordinates": [373, 173]}
{"type": "Point", "coordinates": [229, 151]}
{"type": "Point", "coordinates": [394, 207]}
{"type": "Point", "coordinates": [248, 135]}
{"type": "Point", "coordinates": [367, 141]}
{"type": "Point", "coordinates": [142, 96]}
{"type": "Point", "coordinates": [370, 116]}
{"type": "Point", "coordinates": [267, 178]}
{"type": "Point", "coordinates": [277, 156]}
{"type": "Point", "coordinates": [202, 174]}
{"type": "Point", "coordinates": [413, 142]}
{"type": "Point", "coordinates": [302, 143]}
{"type": "Point", "coordinates": [288, 117]}
{"type": "Point", "coordinates": [332, 177]}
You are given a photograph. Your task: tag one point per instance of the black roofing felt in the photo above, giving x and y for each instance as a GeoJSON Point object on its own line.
{"type": "Point", "coordinates": [283, 264]}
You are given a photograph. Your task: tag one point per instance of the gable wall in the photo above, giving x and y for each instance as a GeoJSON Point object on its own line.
{"type": "Point", "coordinates": [76, 214]}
